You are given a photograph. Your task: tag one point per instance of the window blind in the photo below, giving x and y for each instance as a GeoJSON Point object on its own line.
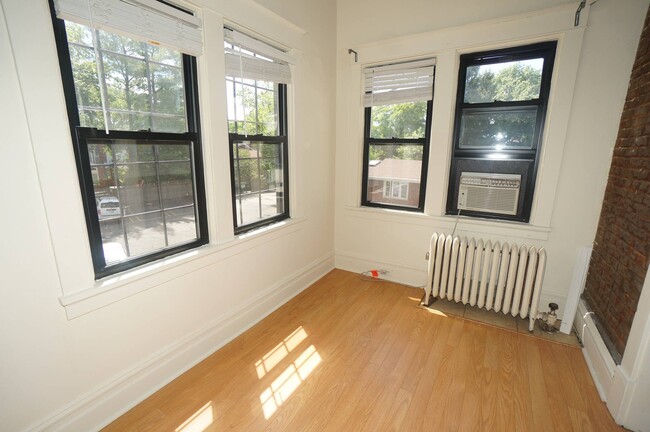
{"type": "Point", "coordinates": [398, 83]}
{"type": "Point", "coordinates": [147, 20]}
{"type": "Point", "coordinates": [253, 59]}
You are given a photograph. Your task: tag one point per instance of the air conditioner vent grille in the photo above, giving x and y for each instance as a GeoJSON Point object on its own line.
{"type": "Point", "coordinates": [491, 193]}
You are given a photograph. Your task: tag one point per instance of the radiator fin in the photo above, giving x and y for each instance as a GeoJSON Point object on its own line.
{"type": "Point", "coordinates": [506, 278]}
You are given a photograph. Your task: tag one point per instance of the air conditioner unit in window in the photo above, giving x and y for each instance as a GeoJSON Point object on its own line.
{"type": "Point", "coordinates": [491, 193]}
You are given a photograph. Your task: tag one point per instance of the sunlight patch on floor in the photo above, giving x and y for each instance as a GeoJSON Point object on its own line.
{"type": "Point", "coordinates": [273, 357]}
{"type": "Point", "coordinates": [289, 380]}
{"type": "Point", "coordinates": [199, 421]}
{"type": "Point", "coordinates": [435, 311]}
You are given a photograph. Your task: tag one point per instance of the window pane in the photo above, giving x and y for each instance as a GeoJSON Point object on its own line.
{"type": "Point", "coordinates": [394, 173]}
{"type": "Point", "coordinates": [145, 233]}
{"type": "Point", "coordinates": [168, 98]}
{"type": "Point", "coordinates": [498, 129]}
{"type": "Point", "coordinates": [176, 152]}
{"type": "Point", "coordinates": [138, 190]}
{"type": "Point", "coordinates": [113, 240]}
{"type": "Point", "coordinates": [259, 178]}
{"type": "Point", "coordinates": [508, 81]}
{"type": "Point", "coordinates": [143, 85]}
{"type": "Point", "coordinates": [144, 194]}
{"type": "Point", "coordinates": [129, 153]}
{"type": "Point", "coordinates": [405, 120]}
{"type": "Point", "coordinates": [181, 225]}
{"type": "Point", "coordinates": [252, 107]}
{"type": "Point", "coordinates": [176, 184]}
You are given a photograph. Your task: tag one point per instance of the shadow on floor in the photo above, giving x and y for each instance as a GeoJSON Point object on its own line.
{"type": "Point", "coordinates": [498, 319]}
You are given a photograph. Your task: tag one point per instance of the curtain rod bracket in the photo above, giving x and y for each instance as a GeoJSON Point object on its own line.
{"type": "Point", "coordinates": [356, 55]}
{"type": "Point", "coordinates": [581, 6]}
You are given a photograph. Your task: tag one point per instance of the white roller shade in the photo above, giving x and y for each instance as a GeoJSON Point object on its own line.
{"type": "Point", "coordinates": [146, 20]}
{"type": "Point", "coordinates": [398, 83]}
{"type": "Point", "coordinates": [259, 61]}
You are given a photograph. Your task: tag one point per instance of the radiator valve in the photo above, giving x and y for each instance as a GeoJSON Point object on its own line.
{"type": "Point", "coordinates": [550, 318]}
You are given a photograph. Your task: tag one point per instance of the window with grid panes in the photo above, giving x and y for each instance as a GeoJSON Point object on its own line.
{"type": "Point", "coordinates": [257, 125]}
{"type": "Point", "coordinates": [133, 114]}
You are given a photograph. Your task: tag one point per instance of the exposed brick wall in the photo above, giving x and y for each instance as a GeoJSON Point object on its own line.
{"type": "Point", "coordinates": [622, 246]}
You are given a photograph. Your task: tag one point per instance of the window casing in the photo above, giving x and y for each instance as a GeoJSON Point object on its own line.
{"type": "Point", "coordinates": [142, 176]}
{"type": "Point", "coordinates": [398, 99]}
{"type": "Point", "coordinates": [259, 156]}
{"type": "Point", "coordinates": [500, 112]}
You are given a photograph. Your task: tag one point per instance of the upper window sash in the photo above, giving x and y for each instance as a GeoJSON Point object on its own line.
{"type": "Point", "coordinates": [151, 21]}
{"type": "Point", "coordinates": [125, 84]}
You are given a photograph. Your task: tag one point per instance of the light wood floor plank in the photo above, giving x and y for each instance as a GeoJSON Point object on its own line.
{"type": "Point", "coordinates": [351, 355]}
{"type": "Point", "coordinates": [505, 382]}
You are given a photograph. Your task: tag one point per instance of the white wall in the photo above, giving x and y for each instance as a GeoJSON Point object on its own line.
{"type": "Point", "coordinates": [574, 165]}
{"type": "Point", "coordinates": [76, 374]}
{"type": "Point", "coordinates": [576, 155]}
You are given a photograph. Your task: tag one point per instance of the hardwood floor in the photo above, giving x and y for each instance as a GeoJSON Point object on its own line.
{"type": "Point", "coordinates": [355, 355]}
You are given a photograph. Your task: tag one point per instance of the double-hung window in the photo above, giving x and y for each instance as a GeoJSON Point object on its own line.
{"type": "Point", "coordinates": [500, 111]}
{"type": "Point", "coordinates": [257, 75]}
{"type": "Point", "coordinates": [398, 102]}
{"type": "Point", "coordinates": [129, 79]}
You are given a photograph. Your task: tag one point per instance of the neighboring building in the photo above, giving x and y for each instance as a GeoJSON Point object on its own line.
{"type": "Point", "coordinates": [394, 181]}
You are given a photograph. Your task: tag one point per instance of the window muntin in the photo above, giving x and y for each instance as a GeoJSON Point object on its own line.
{"type": "Point", "coordinates": [143, 84]}
{"type": "Point", "coordinates": [258, 147]}
{"type": "Point", "coordinates": [259, 178]}
{"type": "Point", "coordinates": [142, 179]}
{"type": "Point", "coordinates": [252, 107]}
{"type": "Point", "coordinates": [500, 113]}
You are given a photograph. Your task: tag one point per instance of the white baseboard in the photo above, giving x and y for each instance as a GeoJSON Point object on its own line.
{"type": "Point", "coordinates": [599, 360]}
{"type": "Point", "coordinates": [417, 277]}
{"type": "Point", "coordinates": [102, 405]}
{"type": "Point", "coordinates": [398, 272]}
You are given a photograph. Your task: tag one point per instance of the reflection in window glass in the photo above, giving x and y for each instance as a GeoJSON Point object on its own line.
{"type": "Point", "coordinates": [504, 82]}
{"type": "Point", "coordinates": [394, 173]}
{"type": "Point", "coordinates": [143, 84]}
{"type": "Point", "coordinates": [498, 129]}
{"type": "Point", "coordinates": [404, 120]}
{"type": "Point", "coordinates": [145, 196]}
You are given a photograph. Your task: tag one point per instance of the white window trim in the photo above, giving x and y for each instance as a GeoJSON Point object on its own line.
{"type": "Point", "coordinates": [122, 285]}
{"type": "Point", "coordinates": [550, 24]}
{"type": "Point", "coordinates": [47, 122]}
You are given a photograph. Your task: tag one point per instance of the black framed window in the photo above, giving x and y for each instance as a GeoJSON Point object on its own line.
{"type": "Point", "coordinates": [500, 111]}
{"type": "Point", "coordinates": [134, 119]}
{"type": "Point", "coordinates": [399, 100]}
{"type": "Point", "coordinates": [257, 126]}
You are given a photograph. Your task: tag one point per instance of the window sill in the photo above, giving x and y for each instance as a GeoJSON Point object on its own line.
{"type": "Point", "coordinates": [446, 223]}
{"type": "Point", "coordinates": [122, 285]}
